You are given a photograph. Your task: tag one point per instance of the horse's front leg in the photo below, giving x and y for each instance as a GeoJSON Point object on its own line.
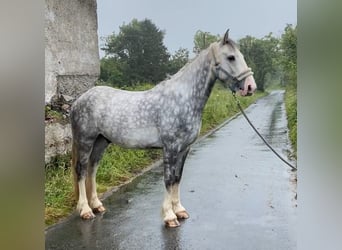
{"type": "Point", "coordinates": [173, 168]}
{"type": "Point", "coordinates": [177, 207]}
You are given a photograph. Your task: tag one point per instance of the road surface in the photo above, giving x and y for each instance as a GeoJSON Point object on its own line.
{"type": "Point", "coordinates": [238, 195]}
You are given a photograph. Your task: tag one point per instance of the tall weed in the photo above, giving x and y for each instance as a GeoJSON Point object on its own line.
{"type": "Point", "coordinates": [291, 111]}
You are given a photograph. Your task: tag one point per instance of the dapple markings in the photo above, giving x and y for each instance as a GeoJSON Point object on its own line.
{"type": "Point", "coordinates": [167, 116]}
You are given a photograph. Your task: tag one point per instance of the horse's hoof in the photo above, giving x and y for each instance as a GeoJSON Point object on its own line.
{"type": "Point", "coordinates": [182, 215]}
{"type": "Point", "coordinates": [87, 216]}
{"type": "Point", "coordinates": [172, 223]}
{"type": "Point", "coordinates": [99, 209]}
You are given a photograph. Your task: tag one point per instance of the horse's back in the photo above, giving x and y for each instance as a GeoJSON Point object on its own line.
{"type": "Point", "coordinates": [103, 98]}
{"type": "Point", "coordinates": [127, 118]}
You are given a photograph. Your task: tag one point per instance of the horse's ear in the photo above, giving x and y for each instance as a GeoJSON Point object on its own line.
{"type": "Point", "coordinates": [226, 37]}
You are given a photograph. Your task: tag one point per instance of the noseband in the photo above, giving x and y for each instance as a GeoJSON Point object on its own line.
{"type": "Point", "coordinates": [236, 79]}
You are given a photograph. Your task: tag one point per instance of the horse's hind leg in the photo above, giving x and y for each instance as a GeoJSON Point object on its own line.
{"type": "Point", "coordinates": [80, 160]}
{"type": "Point", "coordinates": [73, 169]}
{"type": "Point", "coordinates": [99, 147]}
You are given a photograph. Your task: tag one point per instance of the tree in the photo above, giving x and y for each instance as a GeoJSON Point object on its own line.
{"type": "Point", "coordinates": [288, 45]}
{"type": "Point", "coordinates": [111, 72]}
{"type": "Point", "coordinates": [140, 52]}
{"type": "Point", "coordinates": [202, 40]}
{"type": "Point", "coordinates": [262, 55]}
{"type": "Point", "coordinates": [178, 60]}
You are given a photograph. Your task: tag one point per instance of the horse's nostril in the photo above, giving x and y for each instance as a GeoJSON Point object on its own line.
{"type": "Point", "coordinates": [249, 88]}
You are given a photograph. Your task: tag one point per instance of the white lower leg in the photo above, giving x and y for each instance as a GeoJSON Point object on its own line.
{"type": "Point", "coordinates": [176, 204]}
{"type": "Point", "coordinates": [82, 205]}
{"type": "Point", "coordinates": [93, 200]}
{"type": "Point", "coordinates": [167, 211]}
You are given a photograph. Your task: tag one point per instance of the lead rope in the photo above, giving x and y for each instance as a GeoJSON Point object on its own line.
{"type": "Point", "coordinates": [262, 138]}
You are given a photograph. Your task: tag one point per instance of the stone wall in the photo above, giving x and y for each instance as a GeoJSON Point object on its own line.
{"type": "Point", "coordinates": [71, 47]}
{"type": "Point", "coordinates": [57, 140]}
{"type": "Point", "coordinates": [72, 63]}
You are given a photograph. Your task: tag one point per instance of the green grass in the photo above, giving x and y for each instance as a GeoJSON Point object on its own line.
{"type": "Point", "coordinates": [59, 199]}
{"type": "Point", "coordinates": [58, 189]}
{"type": "Point", "coordinates": [221, 105]}
{"type": "Point", "coordinates": [119, 165]}
{"type": "Point", "coordinates": [291, 111]}
{"type": "Point", "coordinates": [51, 114]}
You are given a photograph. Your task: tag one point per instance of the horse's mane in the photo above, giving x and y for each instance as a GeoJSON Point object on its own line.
{"type": "Point", "coordinates": [181, 70]}
{"type": "Point", "coordinates": [233, 43]}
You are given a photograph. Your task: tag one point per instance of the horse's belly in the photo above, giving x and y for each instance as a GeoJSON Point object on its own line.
{"type": "Point", "coordinates": [138, 138]}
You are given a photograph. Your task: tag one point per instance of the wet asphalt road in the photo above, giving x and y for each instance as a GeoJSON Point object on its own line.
{"type": "Point", "coordinates": [238, 195]}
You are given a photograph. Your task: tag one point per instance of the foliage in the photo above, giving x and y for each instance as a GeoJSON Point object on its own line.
{"type": "Point", "coordinates": [136, 54]}
{"type": "Point", "coordinates": [53, 115]}
{"type": "Point", "coordinates": [262, 55]}
{"type": "Point", "coordinates": [291, 111]}
{"type": "Point", "coordinates": [178, 60]}
{"type": "Point", "coordinates": [119, 165]}
{"type": "Point", "coordinates": [272, 58]}
{"type": "Point", "coordinates": [202, 40]}
{"type": "Point", "coordinates": [111, 72]}
{"type": "Point", "coordinates": [288, 45]}
{"type": "Point", "coordinates": [58, 189]}
{"type": "Point", "coordinates": [221, 105]}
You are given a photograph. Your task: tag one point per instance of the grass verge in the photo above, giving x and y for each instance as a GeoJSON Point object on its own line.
{"type": "Point", "coordinates": [119, 165]}
{"type": "Point", "coordinates": [291, 111]}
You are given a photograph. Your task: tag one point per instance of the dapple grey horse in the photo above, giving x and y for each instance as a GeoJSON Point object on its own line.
{"type": "Point", "coordinates": [167, 116]}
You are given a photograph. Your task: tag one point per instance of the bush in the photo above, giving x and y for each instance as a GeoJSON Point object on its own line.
{"type": "Point", "coordinates": [291, 111]}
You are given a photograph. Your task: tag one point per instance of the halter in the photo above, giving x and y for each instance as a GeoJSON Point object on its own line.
{"type": "Point", "coordinates": [235, 79]}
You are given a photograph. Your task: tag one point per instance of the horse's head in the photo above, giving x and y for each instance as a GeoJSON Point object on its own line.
{"type": "Point", "coordinates": [230, 67]}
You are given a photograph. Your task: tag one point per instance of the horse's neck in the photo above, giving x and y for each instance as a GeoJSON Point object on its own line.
{"type": "Point", "coordinates": [198, 79]}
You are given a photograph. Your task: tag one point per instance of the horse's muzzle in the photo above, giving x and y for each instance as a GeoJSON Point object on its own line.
{"type": "Point", "coordinates": [247, 86]}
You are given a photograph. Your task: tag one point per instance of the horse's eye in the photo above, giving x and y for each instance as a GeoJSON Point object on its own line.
{"type": "Point", "coordinates": [231, 58]}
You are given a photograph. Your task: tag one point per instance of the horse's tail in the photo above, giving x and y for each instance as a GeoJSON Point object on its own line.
{"type": "Point", "coordinates": [74, 157]}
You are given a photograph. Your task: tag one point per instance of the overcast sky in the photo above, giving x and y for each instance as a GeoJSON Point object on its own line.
{"type": "Point", "coordinates": [180, 19]}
